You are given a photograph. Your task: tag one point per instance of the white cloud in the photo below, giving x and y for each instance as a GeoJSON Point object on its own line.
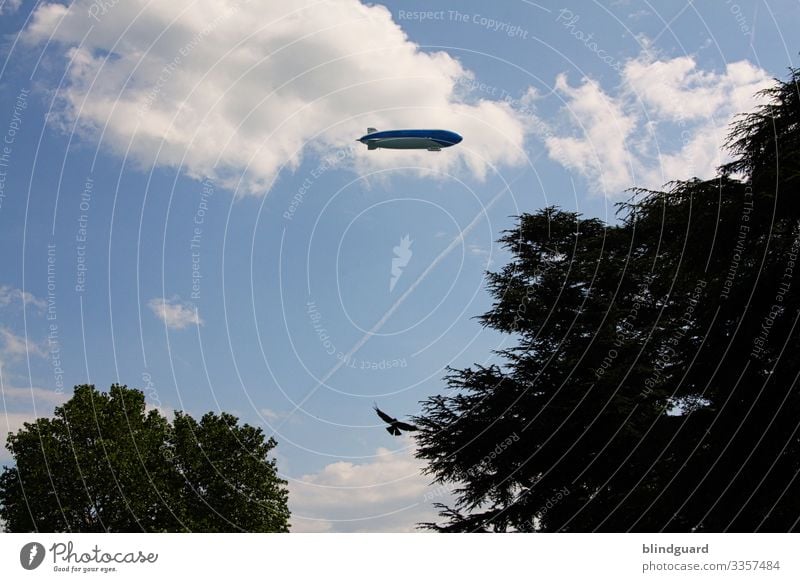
{"type": "Point", "coordinates": [10, 6]}
{"type": "Point", "coordinates": [12, 422]}
{"type": "Point", "coordinates": [167, 412]}
{"type": "Point", "coordinates": [600, 151]}
{"type": "Point", "coordinates": [676, 89]}
{"type": "Point", "coordinates": [639, 14]}
{"type": "Point", "coordinates": [273, 416]}
{"type": "Point", "coordinates": [270, 414]}
{"type": "Point", "coordinates": [16, 346]}
{"type": "Point", "coordinates": [175, 313]}
{"type": "Point", "coordinates": [388, 494]}
{"type": "Point", "coordinates": [43, 396]}
{"type": "Point", "coordinates": [10, 295]}
{"type": "Point", "coordinates": [483, 254]}
{"type": "Point", "coordinates": [235, 90]}
{"type": "Point", "coordinates": [668, 120]}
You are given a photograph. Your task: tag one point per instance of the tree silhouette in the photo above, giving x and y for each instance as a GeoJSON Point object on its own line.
{"type": "Point", "coordinates": [654, 382]}
{"type": "Point", "coordinates": [104, 463]}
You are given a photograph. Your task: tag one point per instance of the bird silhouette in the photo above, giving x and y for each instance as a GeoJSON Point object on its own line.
{"type": "Point", "coordinates": [395, 426]}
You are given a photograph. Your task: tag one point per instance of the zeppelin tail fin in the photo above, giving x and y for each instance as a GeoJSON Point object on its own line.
{"type": "Point", "coordinates": [371, 130]}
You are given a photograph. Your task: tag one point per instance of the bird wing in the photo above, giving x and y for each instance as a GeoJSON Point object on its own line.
{"type": "Point", "coordinates": [384, 416]}
{"type": "Point", "coordinates": [405, 426]}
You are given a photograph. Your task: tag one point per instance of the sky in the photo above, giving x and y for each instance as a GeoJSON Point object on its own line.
{"type": "Point", "coordinates": [184, 208]}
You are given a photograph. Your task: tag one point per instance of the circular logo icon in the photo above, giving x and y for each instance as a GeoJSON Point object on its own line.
{"type": "Point", "coordinates": [31, 555]}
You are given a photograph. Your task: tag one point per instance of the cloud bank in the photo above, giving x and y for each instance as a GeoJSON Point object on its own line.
{"type": "Point", "coordinates": [10, 296]}
{"type": "Point", "coordinates": [241, 91]}
{"type": "Point", "coordinates": [617, 140]}
{"type": "Point", "coordinates": [10, 6]}
{"type": "Point", "coordinates": [389, 494]}
{"type": "Point", "coordinates": [16, 346]}
{"type": "Point", "coordinates": [238, 90]}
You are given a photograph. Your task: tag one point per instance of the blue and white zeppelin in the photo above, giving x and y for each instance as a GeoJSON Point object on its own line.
{"type": "Point", "coordinates": [432, 140]}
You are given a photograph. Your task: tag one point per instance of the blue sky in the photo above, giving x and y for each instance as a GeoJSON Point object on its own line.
{"type": "Point", "coordinates": [188, 173]}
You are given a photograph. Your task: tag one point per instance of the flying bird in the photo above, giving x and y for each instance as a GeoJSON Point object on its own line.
{"type": "Point", "coordinates": [395, 426]}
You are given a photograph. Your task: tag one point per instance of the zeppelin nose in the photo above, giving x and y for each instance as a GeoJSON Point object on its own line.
{"type": "Point", "coordinates": [457, 138]}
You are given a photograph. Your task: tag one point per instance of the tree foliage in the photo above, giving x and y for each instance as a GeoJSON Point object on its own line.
{"type": "Point", "coordinates": [653, 385]}
{"type": "Point", "coordinates": [105, 463]}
